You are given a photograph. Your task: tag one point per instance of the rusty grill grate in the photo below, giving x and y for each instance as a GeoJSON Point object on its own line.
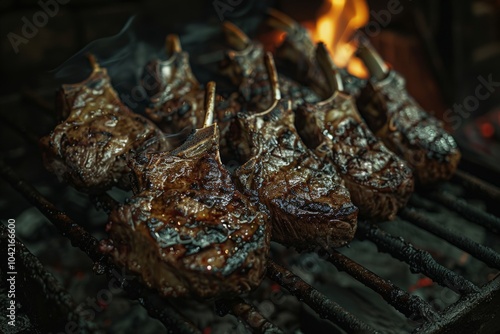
{"type": "Point", "coordinates": [476, 308]}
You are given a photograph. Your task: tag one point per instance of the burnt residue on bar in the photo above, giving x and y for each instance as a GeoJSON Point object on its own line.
{"type": "Point", "coordinates": [480, 252]}
{"type": "Point", "coordinates": [248, 314]}
{"type": "Point", "coordinates": [419, 261]}
{"type": "Point", "coordinates": [469, 212]}
{"type": "Point", "coordinates": [412, 307]}
{"type": "Point", "coordinates": [325, 308]}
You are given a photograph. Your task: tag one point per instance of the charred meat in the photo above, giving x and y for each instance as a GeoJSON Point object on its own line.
{"type": "Point", "coordinates": [306, 199]}
{"type": "Point", "coordinates": [176, 96]}
{"type": "Point", "coordinates": [395, 117]}
{"type": "Point", "coordinates": [187, 230]}
{"type": "Point", "coordinates": [90, 148]}
{"type": "Point", "coordinates": [379, 182]}
{"type": "Point", "coordinates": [244, 65]}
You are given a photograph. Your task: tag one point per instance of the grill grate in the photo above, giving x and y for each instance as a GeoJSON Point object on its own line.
{"type": "Point", "coordinates": [326, 308]}
{"type": "Point", "coordinates": [473, 214]}
{"type": "Point", "coordinates": [473, 301]}
{"type": "Point", "coordinates": [486, 254]}
{"type": "Point", "coordinates": [410, 306]}
{"type": "Point", "coordinates": [419, 261]}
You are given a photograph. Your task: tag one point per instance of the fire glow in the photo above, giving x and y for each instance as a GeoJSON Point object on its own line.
{"type": "Point", "coordinates": [335, 27]}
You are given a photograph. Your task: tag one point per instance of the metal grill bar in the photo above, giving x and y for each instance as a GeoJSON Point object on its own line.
{"type": "Point", "coordinates": [472, 183]}
{"type": "Point", "coordinates": [471, 314]}
{"type": "Point", "coordinates": [88, 244]}
{"type": "Point", "coordinates": [412, 307]}
{"type": "Point", "coordinates": [420, 261]}
{"type": "Point", "coordinates": [471, 213]}
{"type": "Point", "coordinates": [483, 253]}
{"type": "Point", "coordinates": [166, 314]}
{"type": "Point", "coordinates": [325, 307]}
{"type": "Point", "coordinates": [247, 313]}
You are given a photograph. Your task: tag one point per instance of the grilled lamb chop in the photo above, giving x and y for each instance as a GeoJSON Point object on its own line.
{"type": "Point", "coordinates": [395, 117]}
{"type": "Point", "coordinates": [177, 98]}
{"type": "Point", "coordinates": [297, 56]}
{"type": "Point", "coordinates": [187, 230]}
{"type": "Point", "coordinates": [176, 95]}
{"type": "Point", "coordinates": [380, 183]}
{"type": "Point", "coordinates": [306, 199]}
{"type": "Point", "coordinates": [244, 65]}
{"type": "Point", "coordinates": [90, 148]}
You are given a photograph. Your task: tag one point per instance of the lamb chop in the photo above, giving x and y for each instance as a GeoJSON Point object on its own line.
{"type": "Point", "coordinates": [306, 199]}
{"type": "Point", "coordinates": [380, 183]}
{"type": "Point", "coordinates": [297, 56]}
{"type": "Point", "coordinates": [395, 117]}
{"type": "Point", "coordinates": [244, 65]}
{"type": "Point", "coordinates": [187, 230]}
{"type": "Point", "coordinates": [90, 148]}
{"type": "Point", "coordinates": [177, 96]}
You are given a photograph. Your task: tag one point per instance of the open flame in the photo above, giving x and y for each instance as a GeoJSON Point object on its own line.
{"type": "Point", "coordinates": [340, 19]}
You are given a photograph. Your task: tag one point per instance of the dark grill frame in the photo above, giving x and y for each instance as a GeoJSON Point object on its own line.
{"type": "Point", "coordinates": [475, 309]}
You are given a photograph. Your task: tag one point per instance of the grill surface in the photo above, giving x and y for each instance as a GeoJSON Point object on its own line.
{"type": "Point", "coordinates": [477, 308]}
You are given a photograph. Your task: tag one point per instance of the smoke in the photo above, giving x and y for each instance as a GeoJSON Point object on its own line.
{"type": "Point", "coordinates": [123, 55]}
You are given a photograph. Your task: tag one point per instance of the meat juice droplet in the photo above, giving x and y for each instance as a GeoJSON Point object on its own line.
{"type": "Point", "coordinates": [111, 123]}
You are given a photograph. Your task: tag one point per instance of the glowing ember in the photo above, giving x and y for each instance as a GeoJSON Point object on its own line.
{"type": "Point", "coordinates": [487, 130]}
{"type": "Point", "coordinates": [336, 27]}
{"type": "Point", "coordinates": [421, 283]}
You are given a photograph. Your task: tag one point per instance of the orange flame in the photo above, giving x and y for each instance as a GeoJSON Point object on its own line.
{"type": "Point", "coordinates": [336, 27]}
